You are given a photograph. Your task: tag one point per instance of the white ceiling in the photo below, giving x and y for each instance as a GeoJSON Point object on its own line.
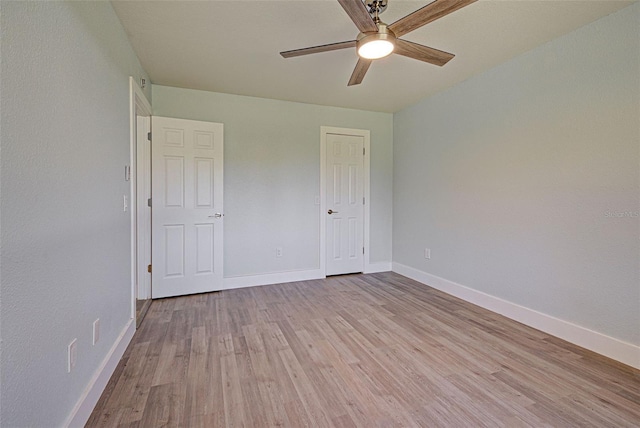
{"type": "Point", "coordinates": [233, 46]}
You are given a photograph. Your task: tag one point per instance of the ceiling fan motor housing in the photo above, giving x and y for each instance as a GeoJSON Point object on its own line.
{"type": "Point", "coordinates": [383, 33]}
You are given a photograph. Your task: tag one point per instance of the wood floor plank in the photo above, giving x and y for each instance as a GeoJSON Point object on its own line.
{"type": "Point", "coordinates": [271, 399]}
{"type": "Point", "coordinates": [164, 406]}
{"type": "Point", "coordinates": [304, 388]}
{"type": "Point", "coordinates": [200, 373]}
{"type": "Point", "coordinates": [232, 392]}
{"type": "Point", "coordinates": [253, 408]}
{"type": "Point", "coordinates": [311, 371]}
{"type": "Point", "coordinates": [127, 389]}
{"type": "Point", "coordinates": [375, 350]}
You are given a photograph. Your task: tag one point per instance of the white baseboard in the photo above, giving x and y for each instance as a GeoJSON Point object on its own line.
{"type": "Point", "coordinates": [233, 282]}
{"type": "Point", "coordinates": [618, 350]}
{"type": "Point", "coordinates": [377, 267]}
{"type": "Point", "coordinates": [81, 412]}
{"type": "Point", "coordinates": [271, 278]}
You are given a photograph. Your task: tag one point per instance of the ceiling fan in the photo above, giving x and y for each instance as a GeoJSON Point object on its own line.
{"type": "Point", "coordinates": [378, 40]}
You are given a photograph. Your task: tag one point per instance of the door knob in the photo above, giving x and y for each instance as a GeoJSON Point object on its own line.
{"type": "Point", "coordinates": [216, 215]}
{"type": "Point", "coordinates": [332, 212]}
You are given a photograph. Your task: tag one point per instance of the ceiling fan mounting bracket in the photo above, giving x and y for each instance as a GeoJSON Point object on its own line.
{"type": "Point", "coordinates": [375, 8]}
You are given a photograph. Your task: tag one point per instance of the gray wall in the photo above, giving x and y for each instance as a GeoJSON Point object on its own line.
{"type": "Point", "coordinates": [524, 180]}
{"type": "Point", "coordinates": [272, 175]}
{"type": "Point", "coordinates": [65, 238]}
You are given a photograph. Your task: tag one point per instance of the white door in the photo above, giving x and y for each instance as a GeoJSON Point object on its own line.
{"type": "Point", "coordinates": [345, 204]}
{"type": "Point", "coordinates": [187, 212]}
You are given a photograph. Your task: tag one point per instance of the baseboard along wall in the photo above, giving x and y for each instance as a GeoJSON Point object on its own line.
{"type": "Point", "coordinates": [234, 282]}
{"type": "Point", "coordinates": [613, 348]}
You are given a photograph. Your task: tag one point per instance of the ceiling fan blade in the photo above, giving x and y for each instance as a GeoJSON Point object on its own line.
{"type": "Point", "coordinates": [358, 73]}
{"type": "Point", "coordinates": [435, 10]}
{"type": "Point", "coordinates": [318, 49]}
{"type": "Point", "coordinates": [422, 53]}
{"type": "Point", "coordinates": [358, 13]}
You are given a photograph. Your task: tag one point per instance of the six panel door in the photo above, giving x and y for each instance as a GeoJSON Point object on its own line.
{"type": "Point", "coordinates": [345, 204]}
{"type": "Point", "coordinates": [187, 214]}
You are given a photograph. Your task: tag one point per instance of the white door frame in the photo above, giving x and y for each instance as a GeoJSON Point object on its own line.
{"type": "Point", "coordinates": [138, 106]}
{"type": "Point", "coordinates": [143, 220]}
{"type": "Point", "coordinates": [366, 135]}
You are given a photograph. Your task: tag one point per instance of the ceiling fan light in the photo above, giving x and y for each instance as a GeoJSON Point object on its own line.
{"type": "Point", "coordinates": [376, 45]}
{"type": "Point", "coordinates": [375, 49]}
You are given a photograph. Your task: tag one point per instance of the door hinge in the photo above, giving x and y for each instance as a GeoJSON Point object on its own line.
{"type": "Point", "coordinates": [149, 202]}
{"type": "Point", "coordinates": [363, 151]}
{"type": "Point", "coordinates": [149, 268]}
{"type": "Point", "coordinates": [362, 201]}
{"type": "Point", "coordinates": [149, 136]}
{"type": "Point", "coordinates": [362, 250]}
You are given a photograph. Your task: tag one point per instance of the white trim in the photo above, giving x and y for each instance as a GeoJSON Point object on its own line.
{"type": "Point", "coordinates": [143, 218]}
{"type": "Point", "coordinates": [322, 264]}
{"type": "Point", "coordinates": [138, 106]}
{"type": "Point", "coordinates": [367, 198]}
{"type": "Point", "coordinates": [616, 349]}
{"type": "Point", "coordinates": [366, 171]}
{"type": "Point", "coordinates": [233, 282]}
{"type": "Point", "coordinates": [83, 408]}
{"type": "Point", "coordinates": [377, 267]}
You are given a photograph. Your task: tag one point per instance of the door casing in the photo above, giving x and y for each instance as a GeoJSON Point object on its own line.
{"type": "Point", "coordinates": [138, 106]}
{"type": "Point", "coordinates": [143, 223]}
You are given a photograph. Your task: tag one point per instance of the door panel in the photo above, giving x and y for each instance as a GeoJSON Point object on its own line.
{"type": "Point", "coordinates": [173, 250]}
{"type": "Point", "coordinates": [204, 183]}
{"type": "Point", "coordinates": [204, 244]}
{"type": "Point", "coordinates": [187, 219]}
{"type": "Point", "coordinates": [174, 181]}
{"type": "Point", "coordinates": [345, 199]}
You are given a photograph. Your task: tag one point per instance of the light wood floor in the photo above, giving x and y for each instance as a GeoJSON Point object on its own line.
{"type": "Point", "coordinates": [357, 350]}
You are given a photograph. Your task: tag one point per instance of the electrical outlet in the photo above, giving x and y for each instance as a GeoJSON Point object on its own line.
{"type": "Point", "coordinates": [278, 251]}
{"type": "Point", "coordinates": [72, 355]}
{"type": "Point", "coordinates": [96, 331]}
{"type": "Point", "coordinates": [427, 253]}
